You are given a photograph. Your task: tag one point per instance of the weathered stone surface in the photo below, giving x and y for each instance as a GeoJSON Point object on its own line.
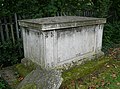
{"type": "Point", "coordinates": [51, 23]}
{"type": "Point", "coordinates": [67, 66]}
{"type": "Point", "coordinates": [55, 41]}
{"type": "Point", "coordinates": [29, 86]}
{"type": "Point", "coordinates": [42, 79]}
{"type": "Point", "coordinates": [28, 63]}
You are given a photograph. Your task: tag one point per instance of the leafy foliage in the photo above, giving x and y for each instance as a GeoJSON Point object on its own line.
{"type": "Point", "coordinates": [3, 84]}
{"type": "Point", "coordinates": [111, 35]}
{"type": "Point", "coordinates": [10, 53]}
{"type": "Point", "coordinates": [114, 11]}
{"type": "Point", "coordinates": [101, 7]}
{"type": "Point", "coordinates": [41, 8]}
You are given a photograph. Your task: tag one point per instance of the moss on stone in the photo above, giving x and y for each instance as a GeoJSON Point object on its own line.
{"type": "Point", "coordinates": [15, 84]}
{"type": "Point", "coordinates": [22, 70]}
{"type": "Point", "coordinates": [29, 86]}
{"type": "Point", "coordinates": [25, 67]}
{"type": "Point", "coordinates": [83, 70]}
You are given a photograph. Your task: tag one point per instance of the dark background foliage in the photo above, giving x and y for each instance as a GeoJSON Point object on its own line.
{"type": "Point", "coordinates": [43, 8]}
{"type": "Point", "coordinates": [10, 53]}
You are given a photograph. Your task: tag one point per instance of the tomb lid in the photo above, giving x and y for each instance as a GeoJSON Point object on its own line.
{"type": "Point", "coordinates": [51, 23]}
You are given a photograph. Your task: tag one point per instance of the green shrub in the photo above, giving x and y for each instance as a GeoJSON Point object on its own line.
{"type": "Point", "coordinates": [111, 35]}
{"type": "Point", "coordinates": [10, 53]}
{"type": "Point", "coordinates": [101, 7]}
{"type": "Point", "coordinates": [3, 84]}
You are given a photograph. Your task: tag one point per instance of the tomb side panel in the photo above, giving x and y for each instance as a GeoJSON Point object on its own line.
{"type": "Point", "coordinates": [34, 45]}
{"type": "Point", "coordinates": [75, 42]}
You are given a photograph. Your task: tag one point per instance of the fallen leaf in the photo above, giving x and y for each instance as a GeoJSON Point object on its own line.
{"type": "Point", "coordinates": [20, 78]}
{"type": "Point", "coordinates": [97, 86]}
{"type": "Point", "coordinates": [102, 83]}
{"type": "Point", "coordinates": [118, 83]}
{"type": "Point", "coordinates": [92, 87]}
{"type": "Point", "coordinates": [73, 83]}
{"type": "Point", "coordinates": [108, 83]}
{"type": "Point", "coordinates": [80, 85]}
{"type": "Point", "coordinates": [114, 75]}
{"type": "Point", "coordinates": [94, 78]}
{"type": "Point", "coordinates": [108, 66]}
{"type": "Point", "coordinates": [114, 66]}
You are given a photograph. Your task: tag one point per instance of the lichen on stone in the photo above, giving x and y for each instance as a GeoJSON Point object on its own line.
{"type": "Point", "coordinates": [29, 86]}
{"type": "Point", "coordinates": [43, 79]}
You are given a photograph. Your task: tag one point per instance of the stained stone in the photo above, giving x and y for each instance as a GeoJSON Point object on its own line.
{"type": "Point", "coordinates": [55, 41]}
{"type": "Point", "coordinates": [42, 79]}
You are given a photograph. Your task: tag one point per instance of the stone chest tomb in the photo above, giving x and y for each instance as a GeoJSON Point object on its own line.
{"type": "Point", "coordinates": [54, 41]}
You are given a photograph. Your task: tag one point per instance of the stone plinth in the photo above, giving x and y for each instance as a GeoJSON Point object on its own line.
{"type": "Point", "coordinates": [54, 41]}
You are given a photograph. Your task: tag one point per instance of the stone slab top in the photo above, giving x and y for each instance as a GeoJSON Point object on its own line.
{"type": "Point", "coordinates": [54, 23]}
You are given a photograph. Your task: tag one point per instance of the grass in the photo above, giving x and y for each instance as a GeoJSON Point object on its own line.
{"type": "Point", "coordinates": [3, 84]}
{"type": "Point", "coordinates": [108, 77]}
{"type": "Point", "coordinates": [83, 70]}
{"type": "Point", "coordinates": [99, 74]}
